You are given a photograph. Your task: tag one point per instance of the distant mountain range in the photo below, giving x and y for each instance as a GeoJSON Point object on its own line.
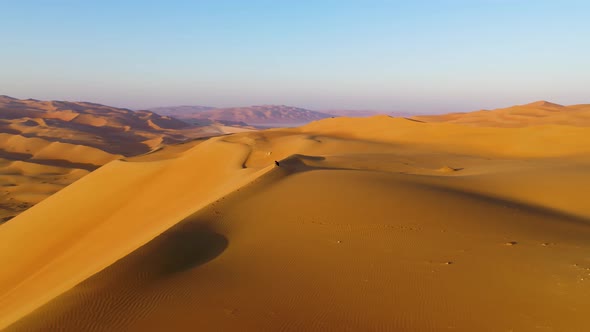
{"type": "Point", "coordinates": [262, 115]}
{"type": "Point", "coordinates": [251, 115]}
{"type": "Point", "coordinates": [366, 113]}
{"type": "Point", "coordinates": [180, 111]}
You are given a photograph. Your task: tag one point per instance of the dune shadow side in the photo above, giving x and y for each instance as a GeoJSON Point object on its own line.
{"type": "Point", "coordinates": [297, 163]}
{"type": "Point", "coordinates": [132, 287]}
{"type": "Point", "coordinates": [182, 248]}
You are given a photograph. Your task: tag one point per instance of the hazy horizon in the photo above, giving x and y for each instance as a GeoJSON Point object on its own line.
{"type": "Point", "coordinates": [328, 110]}
{"type": "Point", "coordinates": [423, 56]}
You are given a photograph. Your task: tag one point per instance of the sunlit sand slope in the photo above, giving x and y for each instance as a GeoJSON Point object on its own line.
{"type": "Point", "coordinates": [374, 224]}
{"type": "Point", "coordinates": [46, 145]}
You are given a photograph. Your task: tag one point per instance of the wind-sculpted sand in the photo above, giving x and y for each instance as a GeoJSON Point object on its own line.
{"type": "Point", "coordinates": [374, 224]}
{"type": "Point", "coordinates": [46, 145]}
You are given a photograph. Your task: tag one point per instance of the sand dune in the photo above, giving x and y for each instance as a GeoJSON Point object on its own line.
{"type": "Point", "coordinates": [32, 169]}
{"type": "Point", "coordinates": [111, 129]}
{"type": "Point", "coordinates": [67, 140]}
{"type": "Point", "coordinates": [533, 114]}
{"type": "Point", "coordinates": [367, 224]}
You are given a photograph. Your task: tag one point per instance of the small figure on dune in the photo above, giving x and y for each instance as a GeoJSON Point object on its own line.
{"type": "Point", "coordinates": [276, 163]}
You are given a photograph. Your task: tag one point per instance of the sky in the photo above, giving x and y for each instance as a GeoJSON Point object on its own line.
{"type": "Point", "coordinates": [405, 56]}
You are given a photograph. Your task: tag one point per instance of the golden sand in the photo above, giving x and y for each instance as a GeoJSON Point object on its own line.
{"type": "Point", "coordinates": [47, 145]}
{"type": "Point", "coordinates": [375, 224]}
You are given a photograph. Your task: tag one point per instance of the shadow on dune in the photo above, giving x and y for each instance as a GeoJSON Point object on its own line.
{"type": "Point", "coordinates": [515, 205]}
{"type": "Point", "coordinates": [64, 163]}
{"type": "Point", "coordinates": [18, 156]}
{"type": "Point", "coordinates": [182, 248]}
{"type": "Point", "coordinates": [14, 155]}
{"type": "Point", "coordinates": [132, 287]}
{"type": "Point", "coordinates": [117, 142]}
{"type": "Point", "coordinates": [300, 162]}
{"type": "Point", "coordinates": [297, 163]}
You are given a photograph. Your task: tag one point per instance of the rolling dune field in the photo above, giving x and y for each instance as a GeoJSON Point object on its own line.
{"type": "Point", "coordinates": [366, 224]}
{"type": "Point", "coordinates": [47, 145]}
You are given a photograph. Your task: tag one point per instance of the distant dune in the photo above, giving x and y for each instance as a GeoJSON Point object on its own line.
{"type": "Point", "coordinates": [115, 130]}
{"type": "Point", "coordinates": [251, 115]}
{"type": "Point", "coordinates": [46, 145]}
{"type": "Point", "coordinates": [367, 224]}
{"type": "Point", "coordinates": [533, 114]}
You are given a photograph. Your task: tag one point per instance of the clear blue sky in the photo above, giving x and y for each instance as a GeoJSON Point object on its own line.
{"type": "Point", "coordinates": [385, 55]}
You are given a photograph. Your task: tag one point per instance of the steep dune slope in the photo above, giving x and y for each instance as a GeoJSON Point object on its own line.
{"type": "Point", "coordinates": [367, 224]}
{"type": "Point", "coordinates": [108, 208]}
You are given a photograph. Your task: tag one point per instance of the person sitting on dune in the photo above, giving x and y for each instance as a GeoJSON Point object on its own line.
{"type": "Point", "coordinates": [276, 163]}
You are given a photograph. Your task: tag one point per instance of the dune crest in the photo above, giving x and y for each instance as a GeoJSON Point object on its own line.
{"type": "Point", "coordinates": [543, 103]}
